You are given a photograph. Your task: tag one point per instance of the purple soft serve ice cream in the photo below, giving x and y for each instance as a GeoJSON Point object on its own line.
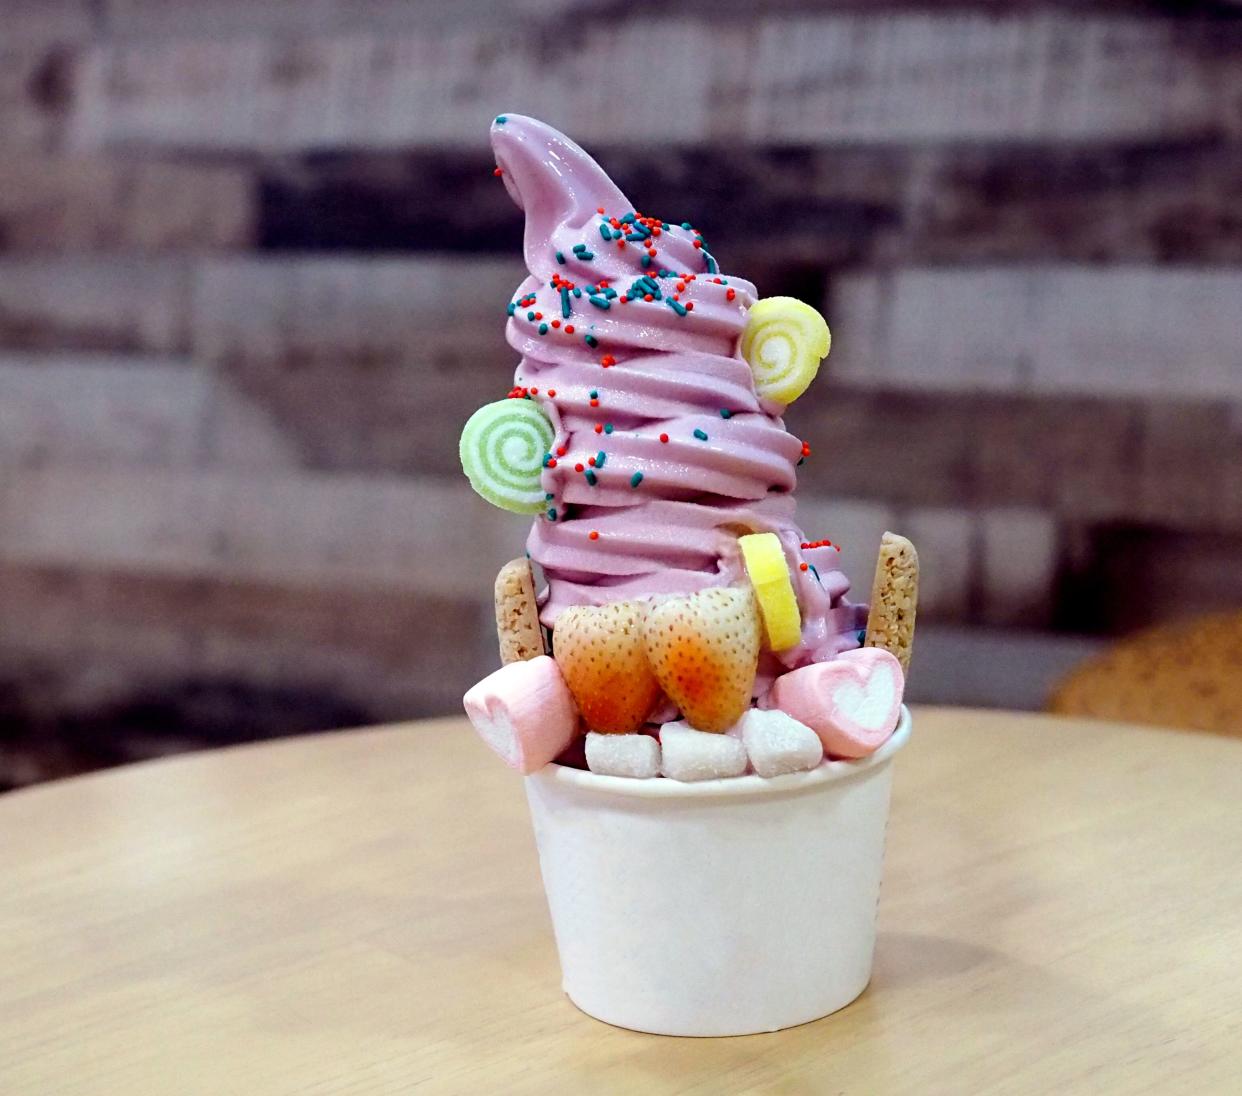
{"type": "Point", "coordinates": [663, 452]}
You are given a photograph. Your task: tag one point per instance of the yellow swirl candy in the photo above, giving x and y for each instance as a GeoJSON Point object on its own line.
{"type": "Point", "coordinates": [784, 342]}
{"type": "Point", "coordinates": [769, 575]}
{"type": "Point", "coordinates": [504, 447]}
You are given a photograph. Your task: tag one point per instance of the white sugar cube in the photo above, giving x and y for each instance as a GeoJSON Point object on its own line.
{"type": "Point", "coordinates": [777, 743]}
{"type": "Point", "coordinates": [636, 755]}
{"type": "Point", "coordinates": [700, 755]}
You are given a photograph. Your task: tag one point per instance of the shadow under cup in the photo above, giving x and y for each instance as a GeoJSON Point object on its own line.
{"type": "Point", "coordinates": [726, 907]}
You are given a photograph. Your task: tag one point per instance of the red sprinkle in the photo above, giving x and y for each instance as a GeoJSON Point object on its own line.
{"type": "Point", "coordinates": [552, 463]}
{"type": "Point", "coordinates": [498, 172]}
{"type": "Point", "coordinates": [801, 566]}
{"type": "Point", "coordinates": [561, 450]}
{"type": "Point", "coordinates": [534, 391]}
{"type": "Point", "coordinates": [569, 329]}
{"type": "Point", "coordinates": [599, 209]}
{"type": "Point", "coordinates": [608, 359]}
{"type": "Point", "coordinates": [591, 462]}
{"type": "Point", "coordinates": [648, 297]}
{"type": "Point", "coordinates": [556, 323]}
{"type": "Point", "coordinates": [593, 535]}
{"type": "Point", "coordinates": [599, 427]}
{"type": "Point", "coordinates": [579, 468]}
{"type": "Point", "coordinates": [664, 438]}
{"type": "Point", "coordinates": [689, 306]}
{"type": "Point", "coordinates": [729, 294]}
{"type": "Point", "coordinates": [539, 315]}
{"type": "Point", "coordinates": [551, 391]}
{"type": "Point", "coordinates": [595, 403]}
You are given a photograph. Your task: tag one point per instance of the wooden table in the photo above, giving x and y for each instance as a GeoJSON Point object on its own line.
{"type": "Point", "coordinates": [361, 913]}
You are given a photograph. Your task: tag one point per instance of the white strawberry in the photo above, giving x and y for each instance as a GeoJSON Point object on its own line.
{"type": "Point", "coordinates": [601, 655]}
{"type": "Point", "coordinates": [704, 649]}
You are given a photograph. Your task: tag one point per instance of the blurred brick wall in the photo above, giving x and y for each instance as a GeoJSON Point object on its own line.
{"type": "Point", "coordinates": [252, 270]}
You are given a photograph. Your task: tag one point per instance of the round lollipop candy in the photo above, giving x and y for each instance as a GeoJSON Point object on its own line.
{"type": "Point", "coordinates": [784, 342]}
{"type": "Point", "coordinates": [503, 447]}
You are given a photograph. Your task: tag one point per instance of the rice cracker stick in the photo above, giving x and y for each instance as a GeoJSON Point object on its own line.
{"type": "Point", "coordinates": [894, 599]}
{"type": "Point", "coordinates": [517, 614]}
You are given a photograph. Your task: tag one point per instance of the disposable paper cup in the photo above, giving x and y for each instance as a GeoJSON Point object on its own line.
{"type": "Point", "coordinates": [725, 907]}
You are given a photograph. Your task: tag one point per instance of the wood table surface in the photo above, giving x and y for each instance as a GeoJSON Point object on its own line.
{"type": "Point", "coordinates": [361, 913]}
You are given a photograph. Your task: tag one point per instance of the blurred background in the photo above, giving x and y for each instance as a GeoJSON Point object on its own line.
{"type": "Point", "coordinates": [253, 268]}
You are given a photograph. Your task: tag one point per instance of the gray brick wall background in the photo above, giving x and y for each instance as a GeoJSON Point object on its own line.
{"type": "Point", "coordinates": [252, 269]}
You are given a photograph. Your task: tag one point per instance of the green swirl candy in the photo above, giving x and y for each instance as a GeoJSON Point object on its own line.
{"type": "Point", "coordinates": [503, 447]}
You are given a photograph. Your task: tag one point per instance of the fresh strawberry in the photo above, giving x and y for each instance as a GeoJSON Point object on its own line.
{"type": "Point", "coordinates": [600, 652]}
{"type": "Point", "coordinates": [704, 649]}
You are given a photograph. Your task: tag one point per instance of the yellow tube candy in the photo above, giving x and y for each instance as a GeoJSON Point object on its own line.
{"type": "Point", "coordinates": [784, 341]}
{"type": "Point", "coordinates": [769, 575]}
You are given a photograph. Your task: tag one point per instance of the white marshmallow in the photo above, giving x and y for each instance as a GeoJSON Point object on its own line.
{"type": "Point", "coordinates": [700, 755]}
{"type": "Point", "coordinates": [777, 743]}
{"type": "Point", "coordinates": [636, 755]}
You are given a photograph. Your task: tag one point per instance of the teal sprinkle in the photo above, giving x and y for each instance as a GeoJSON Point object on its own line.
{"type": "Point", "coordinates": [725, 413]}
{"type": "Point", "coordinates": [512, 308]}
{"type": "Point", "coordinates": [862, 636]}
{"type": "Point", "coordinates": [530, 315]}
{"type": "Point", "coordinates": [646, 260]}
{"type": "Point", "coordinates": [676, 306]}
{"type": "Point", "coordinates": [606, 232]}
{"type": "Point", "coordinates": [593, 394]}
{"type": "Point", "coordinates": [712, 268]}
{"type": "Point", "coordinates": [501, 119]}
{"type": "Point", "coordinates": [591, 477]}
{"type": "Point", "coordinates": [585, 255]}
{"type": "Point", "coordinates": [579, 247]}
{"type": "Point", "coordinates": [549, 497]}
{"type": "Point", "coordinates": [560, 258]}
{"type": "Point", "coordinates": [609, 292]}
{"type": "Point", "coordinates": [636, 479]}
{"type": "Point", "coordinates": [599, 302]}
{"type": "Point", "coordinates": [700, 434]}
{"type": "Point", "coordinates": [634, 237]}
{"type": "Point", "coordinates": [590, 340]}
{"type": "Point", "coordinates": [628, 219]}
{"type": "Point", "coordinates": [552, 514]}
{"type": "Point", "coordinates": [543, 329]}
{"type": "Point", "coordinates": [685, 224]}
{"type": "Point", "coordinates": [816, 574]}
{"type": "Point", "coordinates": [801, 462]}
{"type": "Point", "coordinates": [565, 309]}
{"type": "Point", "coordinates": [577, 292]}
{"type": "Point", "coordinates": [600, 457]}
{"type": "Point", "coordinates": [607, 428]}
{"type": "Point", "coordinates": [547, 459]}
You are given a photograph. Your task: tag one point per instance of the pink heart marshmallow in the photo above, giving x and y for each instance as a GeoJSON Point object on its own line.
{"type": "Point", "coordinates": [852, 703]}
{"type": "Point", "coordinates": [525, 712]}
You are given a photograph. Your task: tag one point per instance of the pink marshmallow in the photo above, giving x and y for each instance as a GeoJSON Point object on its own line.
{"type": "Point", "coordinates": [852, 703]}
{"type": "Point", "coordinates": [524, 711]}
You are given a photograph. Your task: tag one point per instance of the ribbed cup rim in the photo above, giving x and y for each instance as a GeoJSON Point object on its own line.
{"type": "Point", "coordinates": [827, 772]}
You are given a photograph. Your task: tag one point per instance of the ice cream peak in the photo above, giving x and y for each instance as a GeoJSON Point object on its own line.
{"type": "Point", "coordinates": [663, 453]}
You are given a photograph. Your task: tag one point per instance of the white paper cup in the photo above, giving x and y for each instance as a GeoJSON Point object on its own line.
{"type": "Point", "coordinates": [725, 907]}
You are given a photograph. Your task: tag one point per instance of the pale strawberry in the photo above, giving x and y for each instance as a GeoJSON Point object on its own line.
{"type": "Point", "coordinates": [601, 655]}
{"type": "Point", "coordinates": [704, 649]}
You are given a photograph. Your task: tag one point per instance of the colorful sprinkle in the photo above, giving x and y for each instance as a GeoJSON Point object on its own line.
{"type": "Point", "coordinates": [560, 257]}
{"type": "Point", "coordinates": [636, 479]}
{"type": "Point", "coordinates": [676, 306]}
{"type": "Point", "coordinates": [552, 514]}
{"type": "Point", "coordinates": [664, 438]}
{"type": "Point", "coordinates": [543, 329]}
{"type": "Point", "coordinates": [700, 434]}
{"type": "Point", "coordinates": [607, 428]}
{"type": "Point", "coordinates": [600, 458]}
{"type": "Point", "coordinates": [591, 477]}
{"type": "Point", "coordinates": [725, 413]}
{"type": "Point", "coordinates": [802, 566]}
{"type": "Point", "coordinates": [590, 340]}
{"type": "Point", "coordinates": [593, 534]}
{"type": "Point", "coordinates": [501, 119]}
